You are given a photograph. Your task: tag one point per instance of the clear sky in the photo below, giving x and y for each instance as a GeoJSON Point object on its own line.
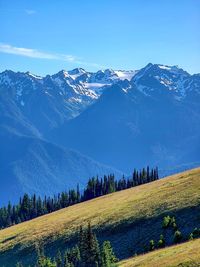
{"type": "Point", "coordinates": [45, 36]}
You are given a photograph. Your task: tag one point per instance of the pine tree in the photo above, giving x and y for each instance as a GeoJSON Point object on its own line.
{"type": "Point", "coordinates": [39, 207]}
{"type": "Point", "coordinates": [34, 207]}
{"type": "Point", "coordinates": [25, 207]}
{"type": "Point", "coordinates": [40, 254]}
{"type": "Point", "coordinates": [166, 221]}
{"type": "Point", "coordinates": [42, 260]}
{"type": "Point", "coordinates": [107, 255]}
{"type": "Point", "coordinates": [82, 243]}
{"type": "Point", "coordinates": [74, 256]}
{"type": "Point", "coordinates": [31, 207]}
{"type": "Point", "coordinates": [151, 245]}
{"type": "Point", "coordinates": [161, 242]}
{"type": "Point", "coordinates": [93, 252]}
{"type": "Point", "coordinates": [177, 236]}
{"type": "Point", "coordinates": [196, 232]}
{"type": "Point", "coordinates": [65, 260]}
{"type": "Point", "coordinates": [58, 259]}
{"type": "Point", "coordinates": [89, 247]}
{"type": "Point", "coordinates": [191, 237]}
{"type": "Point", "coordinates": [78, 194]}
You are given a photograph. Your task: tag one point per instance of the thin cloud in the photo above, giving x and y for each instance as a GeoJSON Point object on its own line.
{"type": "Point", "coordinates": [34, 53]}
{"type": "Point", "coordinates": [30, 11]}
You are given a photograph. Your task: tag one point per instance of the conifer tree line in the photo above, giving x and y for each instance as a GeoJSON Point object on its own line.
{"type": "Point", "coordinates": [87, 253]}
{"type": "Point", "coordinates": [30, 207]}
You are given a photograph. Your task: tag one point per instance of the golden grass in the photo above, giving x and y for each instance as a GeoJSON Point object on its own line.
{"type": "Point", "coordinates": [146, 201]}
{"type": "Point", "coordinates": [187, 253]}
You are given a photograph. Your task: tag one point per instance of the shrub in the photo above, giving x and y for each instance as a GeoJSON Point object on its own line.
{"type": "Point", "coordinates": [166, 221]}
{"type": "Point", "coordinates": [174, 226]}
{"type": "Point", "coordinates": [161, 242]}
{"type": "Point", "coordinates": [196, 232]}
{"type": "Point", "coordinates": [151, 245]}
{"type": "Point", "coordinates": [177, 236]}
{"type": "Point", "coordinates": [172, 221]}
{"type": "Point", "coordinates": [191, 237]}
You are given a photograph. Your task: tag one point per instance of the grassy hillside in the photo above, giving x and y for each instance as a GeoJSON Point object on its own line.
{"type": "Point", "coordinates": [129, 219]}
{"type": "Point", "coordinates": [183, 255]}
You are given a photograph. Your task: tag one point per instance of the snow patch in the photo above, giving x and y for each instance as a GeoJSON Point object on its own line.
{"type": "Point", "coordinates": [35, 76]}
{"type": "Point", "coordinates": [95, 85]}
{"type": "Point", "coordinates": [128, 75]}
{"type": "Point", "coordinates": [164, 67]}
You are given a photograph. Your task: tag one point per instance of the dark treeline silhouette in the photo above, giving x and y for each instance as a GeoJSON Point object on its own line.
{"type": "Point", "coordinates": [30, 207]}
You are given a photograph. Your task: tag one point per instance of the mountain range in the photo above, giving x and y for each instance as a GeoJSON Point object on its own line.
{"type": "Point", "coordinates": [61, 129]}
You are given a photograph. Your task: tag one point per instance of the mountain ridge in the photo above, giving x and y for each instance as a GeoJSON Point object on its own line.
{"type": "Point", "coordinates": [122, 119]}
{"type": "Point", "coordinates": [35, 166]}
{"type": "Point", "coordinates": [128, 115]}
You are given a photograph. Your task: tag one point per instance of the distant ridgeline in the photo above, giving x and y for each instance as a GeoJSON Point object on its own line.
{"type": "Point", "coordinates": [30, 207]}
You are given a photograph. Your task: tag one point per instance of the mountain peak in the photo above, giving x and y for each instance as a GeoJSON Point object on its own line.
{"type": "Point", "coordinates": [174, 68]}
{"type": "Point", "coordinates": [62, 74]}
{"type": "Point", "coordinates": [148, 66]}
{"type": "Point", "coordinates": [160, 69]}
{"type": "Point", "coordinates": [109, 71]}
{"type": "Point", "coordinates": [76, 71]}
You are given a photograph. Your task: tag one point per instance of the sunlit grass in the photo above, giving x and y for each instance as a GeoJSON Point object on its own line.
{"type": "Point", "coordinates": [186, 254]}
{"type": "Point", "coordinates": [147, 201]}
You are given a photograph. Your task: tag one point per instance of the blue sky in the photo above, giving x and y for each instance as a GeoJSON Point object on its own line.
{"type": "Point", "coordinates": [45, 36]}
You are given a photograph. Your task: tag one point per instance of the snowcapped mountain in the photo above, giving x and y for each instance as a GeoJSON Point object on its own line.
{"type": "Point", "coordinates": [30, 107]}
{"type": "Point", "coordinates": [161, 79]}
{"type": "Point", "coordinates": [154, 118]}
{"type": "Point", "coordinates": [48, 102]}
{"type": "Point", "coordinates": [123, 119]}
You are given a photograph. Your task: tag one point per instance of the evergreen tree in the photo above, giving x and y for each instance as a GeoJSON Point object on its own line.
{"type": "Point", "coordinates": [107, 255]}
{"type": "Point", "coordinates": [166, 221]}
{"type": "Point", "coordinates": [78, 194]}
{"type": "Point", "coordinates": [34, 207]}
{"type": "Point", "coordinates": [58, 259]}
{"type": "Point", "coordinates": [65, 260]}
{"type": "Point", "coordinates": [40, 255]}
{"type": "Point", "coordinates": [151, 245]}
{"type": "Point", "coordinates": [46, 262]}
{"type": "Point", "coordinates": [30, 207]}
{"type": "Point", "coordinates": [43, 261]}
{"type": "Point", "coordinates": [92, 248]}
{"type": "Point", "coordinates": [177, 236]}
{"type": "Point", "coordinates": [82, 243]}
{"type": "Point", "coordinates": [74, 256]}
{"type": "Point", "coordinates": [191, 237]}
{"type": "Point", "coordinates": [161, 242]}
{"type": "Point", "coordinates": [173, 223]}
{"type": "Point", "coordinates": [196, 233]}
{"type": "Point", "coordinates": [25, 207]}
{"type": "Point", "coordinates": [89, 247]}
